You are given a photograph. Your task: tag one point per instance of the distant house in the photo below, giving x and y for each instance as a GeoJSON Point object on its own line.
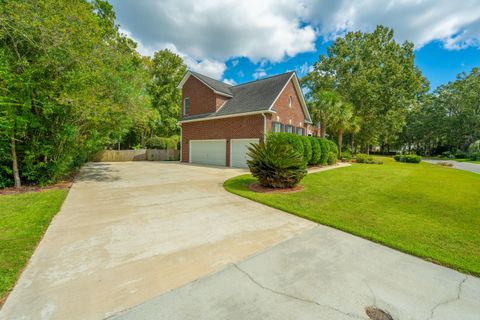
{"type": "Point", "coordinates": [219, 121]}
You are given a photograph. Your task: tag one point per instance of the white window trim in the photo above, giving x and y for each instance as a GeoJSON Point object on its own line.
{"type": "Point", "coordinates": [289, 101]}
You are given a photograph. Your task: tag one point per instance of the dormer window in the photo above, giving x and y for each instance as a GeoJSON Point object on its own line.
{"type": "Point", "coordinates": [290, 101]}
{"type": "Point", "coordinates": [186, 106]}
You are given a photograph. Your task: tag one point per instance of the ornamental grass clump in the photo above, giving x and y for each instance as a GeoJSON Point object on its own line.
{"type": "Point", "coordinates": [276, 165]}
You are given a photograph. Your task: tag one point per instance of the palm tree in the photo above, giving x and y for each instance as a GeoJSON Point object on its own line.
{"type": "Point", "coordinates": [323, 107]}
{"type": "Point", "coordinates": [341, 120]}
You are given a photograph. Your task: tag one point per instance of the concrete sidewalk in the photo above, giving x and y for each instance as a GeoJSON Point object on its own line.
{"type": "Point", "coordinates": [321, 274]}
{"type": "Point", "coordinates": [130, 231]}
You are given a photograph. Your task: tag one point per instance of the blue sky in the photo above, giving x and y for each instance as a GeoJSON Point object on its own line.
{"type": "Point", "coordinates": [438, 65]}
{"type": "Point", "coordinates": [239, 41]}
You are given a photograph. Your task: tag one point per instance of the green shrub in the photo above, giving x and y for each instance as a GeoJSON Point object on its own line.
{"type": "Point", "coordinates": [332, 147]}
{"type": "Point", "coordinates": [362, 158]}
{"type": "Point", "coordinates": [163, 143]}
{"type": "Point", "coordinates": [409, 158]}
{"type": "Point", "coordinates": [474, 156]}
{"type": "Point", "coordinates": [413, 158]}
{"type": "Point", "coordinates": [332, 158]}
{"type": "Point", "coordinates": [474, 151]}
{"type": "Point", "coordinates": [324, 147]}
{"type": "Point", "coordinates": [316, 152]}
{"type": "Point", "coordinates": [295, 141]}
{"type": "Point", "coordinates": [448, 154]}
{"type": "Point", "coordinates": [156, 143]}
{"type": "Point", "coordinates": [276, 164]}
{"type": "Point", "coordinates": [307, 149]}
{"type": "Point", "coordinates": [459, 154]}
{"type": "Point", "coordinates": [346, 155]}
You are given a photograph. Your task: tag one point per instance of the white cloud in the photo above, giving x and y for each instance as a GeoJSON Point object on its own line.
{"type": "Point", "coordinates": [217, 30]}
{"type": "Point", "coordinates": [455, 23]}
{"type": "Point", "coordinates": [210, 32]}
{"type": "Point", "coordinates": [230, 82]}
{"type": "Point", "coordinates": [259, 73]}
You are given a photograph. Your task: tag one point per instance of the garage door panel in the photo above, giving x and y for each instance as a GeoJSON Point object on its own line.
{"type": "Point", "coordinates": [208, 152]}
{"type": "Point", "coordinates": [239, 149]}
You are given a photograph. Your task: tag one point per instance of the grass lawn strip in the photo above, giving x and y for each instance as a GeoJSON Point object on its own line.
{"type": "Point", "coordinates": [426, 210]}
{"type": "Point", "coordinates": [24, 218]}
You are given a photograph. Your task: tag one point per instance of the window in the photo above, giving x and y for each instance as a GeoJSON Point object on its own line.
{"type": "Point", "coordinates": [186, 106]}
{"type": "Point", "coordinates": [288, 128]}
{"type": "Point", "coordinates": [300, 131]}
{"type": "Point", "coordinates": [276, 127]}
{"type": "Point", "coordinates": [290, 101]}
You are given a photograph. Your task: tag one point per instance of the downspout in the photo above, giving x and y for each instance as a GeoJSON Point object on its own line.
{"type": "Point", "coordinates": [264, 127]}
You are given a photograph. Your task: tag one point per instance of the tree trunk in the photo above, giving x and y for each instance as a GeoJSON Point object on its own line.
{"type": "Point", "coordinates": [340, 138]}
{"type": "Point", "coordinates": [353, 144]}
{"type": "Point", "coordinates": [323, 130]}
{"type": "Point", "coordinates": [16, 174]}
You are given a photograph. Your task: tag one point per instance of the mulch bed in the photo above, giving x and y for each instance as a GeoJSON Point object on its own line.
{"type": "Point", "coordinates": [256, 187]}
{"type": "Point", "coordinates": [60, 185]}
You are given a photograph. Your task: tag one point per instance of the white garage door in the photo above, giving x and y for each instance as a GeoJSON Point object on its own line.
{"type": "Point", "coordinates": [208, 152]}
{"type": "Point", "coordinates": [239, 148]}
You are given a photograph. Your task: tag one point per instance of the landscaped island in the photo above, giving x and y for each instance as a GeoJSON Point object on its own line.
{"type": "Point", "coordinates": [430, 211]}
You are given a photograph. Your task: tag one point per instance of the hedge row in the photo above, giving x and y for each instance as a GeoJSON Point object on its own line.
{"type": "Point", "coordinates": [315, 151]}
{"type": "Point", "coordinates": [163, 143]}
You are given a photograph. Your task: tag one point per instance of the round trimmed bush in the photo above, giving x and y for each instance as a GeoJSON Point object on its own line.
{"type": "Point", "coordinates": [324, 147]}
{"type": "Point", "coordinates": [276, 164]}
{"type": "Point", "coordinates": [315, 151]}
{"type": "Point", "coordinates": [332, 158]}
{"type": "Point", "coordinates": [307, 149]}
{"type": "Point", "coordinates": [332, 147]}
{"type": "Point", "coordinates": [291, 139]}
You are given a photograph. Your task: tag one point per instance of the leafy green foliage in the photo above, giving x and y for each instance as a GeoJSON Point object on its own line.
{"type": "Point", "coordinates": [377, 76]}
{"type": "Point", "coordinates": [409, 158]}
{"type": "Point", "coordinates": [446, 120]}
{"type": "Point", "coordinates": [307, 149]}
{"type": "Point", "coordinates": [70, 84]}
{"type": "Point", "coordinates": [347, 155]}
{"type": "Point", "coordinates": [163, 143]}
{"type": "Point", "coordinates": [167, 70]}
{"type": "Point", "coordinates": [332, 147]}
{"type": "Point", "coordinates": [332, 158]}
{"type": "Point", "coordinates": [316, 151]}
{"type": "Point", "coordinates": [276, 164]}
{"type": "Point", "coordinates": [324, 150]}
{"type": "Point", "coordinates": [291, 139]}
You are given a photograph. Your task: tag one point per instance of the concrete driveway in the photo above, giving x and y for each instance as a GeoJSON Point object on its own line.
{"type": "Point", "coordinates": [130, 231]}
{"type": "Point", "coordinates": [150, 240]}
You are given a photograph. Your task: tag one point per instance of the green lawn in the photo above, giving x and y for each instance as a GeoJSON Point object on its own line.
{"type": "Point", "coordinates": [426, 210]}
{"type": "Point", "coordinates": [24, 218]}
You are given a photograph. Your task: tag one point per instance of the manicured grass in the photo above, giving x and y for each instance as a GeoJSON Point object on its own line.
{"type": "Point", "coordinates": [24, 218]}
{"type": "Point", "coordinates": [426, 210]}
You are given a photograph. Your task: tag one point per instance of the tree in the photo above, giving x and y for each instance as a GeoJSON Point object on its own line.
{"type": "Point", "coordinates": [70, 84]}
{"type": "Point", "coordinates": [377, 75]}
{"type": "Point", "coordinates": [167, 70]}
{"type": "Point", "coordinates": [342, 120]}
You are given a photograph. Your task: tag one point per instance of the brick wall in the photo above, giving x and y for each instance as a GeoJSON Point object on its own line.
{"type": "Point", "coordinates": [226, 128]}
{"type": "Point", "coordinates": [202, 99]}
{"type": "Point", "coordinates": [288, 115]}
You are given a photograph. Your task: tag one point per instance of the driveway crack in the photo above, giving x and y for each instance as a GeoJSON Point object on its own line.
{"type": "Point", "coordinates": [459, 293]}
{"type": "Point", "coordinates": [284, 294]}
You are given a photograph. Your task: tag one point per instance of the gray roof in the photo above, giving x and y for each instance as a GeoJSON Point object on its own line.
{"type": "Point", "coordinates": [252, 96]}
{"type": "Point", "coordinates": [214, 84]}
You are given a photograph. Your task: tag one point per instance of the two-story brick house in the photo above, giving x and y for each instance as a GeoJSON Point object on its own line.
{"type": "Point", "coordinates": [219, 121]}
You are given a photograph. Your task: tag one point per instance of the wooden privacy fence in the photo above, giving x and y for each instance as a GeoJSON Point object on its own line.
{"type": "Point", "coordinates": [136, 155]}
